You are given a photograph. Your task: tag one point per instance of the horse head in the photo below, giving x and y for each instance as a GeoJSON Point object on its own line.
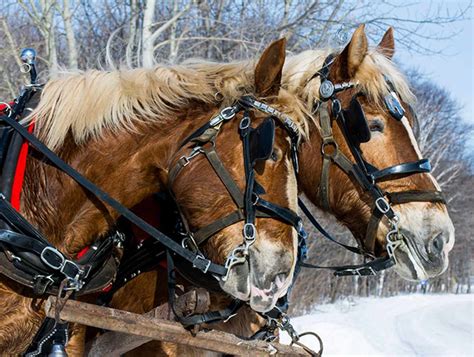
{"type": "Point", "coordinates": [213, 192]}
{"type": "Point", "coordinates": [362, 158]}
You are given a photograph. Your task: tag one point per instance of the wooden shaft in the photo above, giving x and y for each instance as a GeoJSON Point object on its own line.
{"type": "Point", "coordinates": [114, 343]}
{"type": "Point", "coordinates": [164, 330]}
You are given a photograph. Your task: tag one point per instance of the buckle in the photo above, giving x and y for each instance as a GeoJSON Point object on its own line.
{"type": "Point", "coordinates": [361, 271]}
{"type": "Point", "coordinates": [250, 232]}
{"type": "Point", "coordinates": [382, 205]}
{"type": "Point", "coordinates": [201, 263]}
{"type": "Point", "coordinates": [187, 159]}
{"type": "Point", "coordinates": [244, 123]}
{"type": "Point", "coordinates": [225, 114]}
{"type": "Point", "coordinates": [52, 258]}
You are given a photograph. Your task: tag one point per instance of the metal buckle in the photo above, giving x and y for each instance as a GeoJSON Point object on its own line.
{"type": "Point", "coordinates": [382, 205]}
{"type": "Point", "coordinates": [249, 232]}
{"type": "Point", "coordinates": [194, 152]}
{"type": "Point", "coordinates": [369, 268]}
{"type": "Point", "coordinates": [228, 113]}
{"type": "Point", "coordinates": [204, 260]}
{"type": "Point", "coordinates": [225, 114]}
{"type": "Point", "coordinates": [56, 253]}
{"type": "Point", "coordinates": [244, 123]}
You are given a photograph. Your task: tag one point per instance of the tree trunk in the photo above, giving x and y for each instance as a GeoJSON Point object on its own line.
{"type": "Point", "coordinates": [147, 38]}
{"type": "Point", "coordinates": [71, 38]}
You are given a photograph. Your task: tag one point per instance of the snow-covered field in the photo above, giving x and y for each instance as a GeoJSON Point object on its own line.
{"type": "Point", "coordinates": [412, 325]}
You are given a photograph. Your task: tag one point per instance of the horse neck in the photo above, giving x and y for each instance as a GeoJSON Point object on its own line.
{"type": "Point", "coordinates": [346, 204]}
{"type": "Point", "coordinates": [129, 166]}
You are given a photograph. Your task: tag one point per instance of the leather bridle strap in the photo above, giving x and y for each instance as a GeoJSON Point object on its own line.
{"type": "Point", "coordinates": [325, 233]}
{"type": "Point", "coordinates": [368, 268]}
{"type": "Point", "coordinates": [224, 175]}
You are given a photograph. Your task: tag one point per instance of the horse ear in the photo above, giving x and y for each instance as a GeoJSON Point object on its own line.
{"type": "Point", "coordinates": [269, 68]}
{"type": "Point", "coordinates": [387, 44]}
{"type": "Point", "coordinates": [348, 61]}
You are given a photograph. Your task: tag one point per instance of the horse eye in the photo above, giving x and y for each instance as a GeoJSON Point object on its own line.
{"type": "Point", "coordinates": [274, 156]}
{"type": "Point", "coordinates": [376, 125]}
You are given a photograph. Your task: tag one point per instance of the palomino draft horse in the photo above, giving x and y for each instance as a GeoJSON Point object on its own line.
{"type": "Point", "coordinates": [136, 132]}
{"type": "Point", "coordinates": [339, 169]}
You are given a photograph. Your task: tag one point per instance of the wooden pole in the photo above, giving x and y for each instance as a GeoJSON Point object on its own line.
{"type": "Point", "coordinates": [164, 330]}
{"type": "Point", "coordinates": [113, 343]}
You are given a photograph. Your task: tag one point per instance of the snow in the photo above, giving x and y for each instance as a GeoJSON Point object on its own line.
{"type": "Point", "coordinates": [408, 325]}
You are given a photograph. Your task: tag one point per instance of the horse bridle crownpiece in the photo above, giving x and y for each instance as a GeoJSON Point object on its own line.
{"type": "Point", "coordinates": [354, 127]}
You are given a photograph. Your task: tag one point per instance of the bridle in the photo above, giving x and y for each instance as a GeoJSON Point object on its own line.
{"type": "Point", "coordinates": [366, 175]}
{"type": "Point", "coordinates": [250, 205]}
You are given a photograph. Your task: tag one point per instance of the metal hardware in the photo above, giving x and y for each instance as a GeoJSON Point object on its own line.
{"type": "Point", "coordinates": [225, 114]}
{"type": "Point", "coordinates": [250, 232]}
{"type": "Point", "coordinates": [326, 90]}
{"type": "Point", "coordinates": [56, 253]}
{"type": "Point", "coordinates": [187, 159]}
{"type": "Point", "coordinates": [244, 123]}
{"type": "Point", "coordinates": [228, 318]}
{"type": "Point", "coordinates": [238, 256]}
{"type": "Point", "coordinates": [200, 257]}
{"type": "Point", "coordinates": [382, 205]}
{"type": "Point", "coordinates": [329, 142]}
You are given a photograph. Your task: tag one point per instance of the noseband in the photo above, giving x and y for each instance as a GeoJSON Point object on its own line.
{"type": "Point", "coordinates": [366, 175]}
{"type": "Point", "coordinates": [250, 204]}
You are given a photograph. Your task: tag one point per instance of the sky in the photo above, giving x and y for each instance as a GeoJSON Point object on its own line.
{"type": "Point", "coordinates": [453, 68]}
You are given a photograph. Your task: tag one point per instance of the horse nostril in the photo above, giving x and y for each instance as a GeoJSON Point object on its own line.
{"type": "Point", "coordinates": [438, 243]}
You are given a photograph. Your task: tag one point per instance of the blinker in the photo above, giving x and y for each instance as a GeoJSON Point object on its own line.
{"type": "Point", "coordinates": [261, 140]}
{"type": "Point", "coordinates": [356, 123]}
{"type": "Point", "coordinates": [394, 106]}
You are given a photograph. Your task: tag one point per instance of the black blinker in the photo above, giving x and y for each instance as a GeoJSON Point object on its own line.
{"type": "Point", "coordinates": [261, 141]}
{"type": "Point", "coordinates": [356, 122]}
{"type": "Point", "coordinates": [394, 106]}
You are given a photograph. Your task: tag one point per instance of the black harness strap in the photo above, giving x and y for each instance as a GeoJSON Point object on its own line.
{"type": "Point", "coordinates": [315, 223]}
{"type": "Point", "coordinates": [224, 175]}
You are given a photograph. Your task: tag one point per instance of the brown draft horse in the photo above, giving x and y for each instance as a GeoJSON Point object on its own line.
{"type": "Point", "coordinates": [121, 129]}
{"type": "Point", "coordinates": [427, 225]}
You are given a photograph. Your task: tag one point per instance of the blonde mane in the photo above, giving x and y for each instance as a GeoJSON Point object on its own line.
{"type": "Point", "coordinates": [369, 77]}
{"type": "Point", "coordinates": [87, 103]}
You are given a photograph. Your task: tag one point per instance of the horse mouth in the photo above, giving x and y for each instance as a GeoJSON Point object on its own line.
{"type": "Point", "coordinates": [416, 255]}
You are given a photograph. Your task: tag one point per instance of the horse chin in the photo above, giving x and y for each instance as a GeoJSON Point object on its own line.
{"type": "Point", "coordinates": [238, 284]}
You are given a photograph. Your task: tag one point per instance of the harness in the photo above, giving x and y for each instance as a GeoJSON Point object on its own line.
{"type": "Point", "coordinates": [28, 258]}
{"type": "Point", "coordinates": [354, 127]}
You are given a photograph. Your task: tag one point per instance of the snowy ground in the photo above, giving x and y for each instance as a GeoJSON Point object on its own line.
{"type": "Point", "coordinates": [412, 325]}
